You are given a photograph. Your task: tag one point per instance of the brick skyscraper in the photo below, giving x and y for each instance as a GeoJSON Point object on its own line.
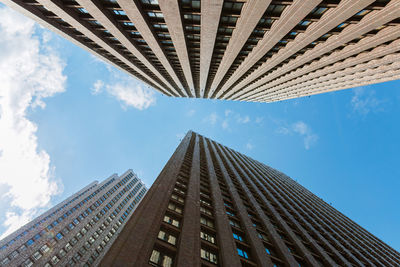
{"type": "Point", "coordinates": [212, 206]}
{"type": "Point", "coordinates": [79, 230]}
{"type": "Point", "coordinates": [258, 50]}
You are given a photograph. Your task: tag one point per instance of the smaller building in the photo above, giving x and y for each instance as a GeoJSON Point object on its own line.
{"type": "Point", "coordinates": [79, 230]}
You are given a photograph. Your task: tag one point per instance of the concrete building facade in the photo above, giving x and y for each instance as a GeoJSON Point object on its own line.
{"type": "Point", "coordinates": [79, 230]}
{"type": "Point", "coordinates": [260, 51]}
{"type": "Point", "coordinates": [212, 206]}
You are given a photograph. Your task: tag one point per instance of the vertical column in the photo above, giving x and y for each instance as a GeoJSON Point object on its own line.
{"type": "Point", "coordinates": [189, 247]}
{"type": "Point", "coordinates": [260, 255]}
{"type": "Point", "coordinates": [225, 240]}
{"type": "Point", "coordinates": [133, 243]}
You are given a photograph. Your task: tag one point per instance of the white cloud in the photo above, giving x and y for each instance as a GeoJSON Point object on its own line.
{"type": "Point", "coordinates": [225, 124]}
{"type": "Point", "coordinates": [211, 118]}
{"type": "Point", "coordinates": [364, 101]}
{"type": "Point", "coordinates": [190, 113]}
{"type": "Point", "coordinates": [126, 89]}
{"type": "Point", "coordinates": [29, 72]}
{"type": "Point", "coordinates": [132, 94]}
{"type": "Point", "coordinates": [259, 120]}
{"type": "Point", "coordinates": [244, 119]}
{"type": "Point", "coordinates": [249, 146]}
{"type": "Point", "coordinates": [304, 130]}
{"type": "Point", "coordinates": [97, 87]}
{"type": "Point", "coordinates": [228, 112]}
{"type": "Point", "coordinates": [299, 128]}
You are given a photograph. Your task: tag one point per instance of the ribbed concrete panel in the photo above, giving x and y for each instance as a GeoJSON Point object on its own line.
{"type": "Point", "coordinates": [352, 55]}
{"type": "Point", "coordinates": [73, 20]}
{"type": "Point", "coordinates": [232, 50]}
{"type": "Point", "coordinates": [134, 14]}
{"type": "Point", "coordinates": [173, 18]}
{"type": "Point", "coordinates": [105, 20]}
{"type": "Point", "coordinates": [369, 23]}
{"type": "Point", "coordinates": [210, 13]}
{"type": "Point", "coordinates": [336, 76]}
{"type": "Point", "coordinates": [289, 19]}
{"type": "Point", "coordinates": [250, 16]}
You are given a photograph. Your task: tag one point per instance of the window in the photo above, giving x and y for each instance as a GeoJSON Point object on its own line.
{"type": "Point", "coordinates": [167, 237]}
{"type": "Point", "coordinates": [62, 253]}
{"type": "Point", "coordinates": [22, 248]}
{"type": "Point", "coordinates": [171, 221]}
{"type": "Point", "coordinates": [206, 211]}
{"type": "Point", "coordinates": [208, 256]}
{"type": "Point", "coordinates": [175, 208]}
{"type": "Point", "coordinates": [159, 259]}
{"type": "Point", "coordinates": [13, 254]}
{"type": "Point", "coordinates": [237, 237]}
{"type": "Point", "coordinates": [234, 223]}
{"type": "Point", "coordinates": [45, 248]}
{"type": "Point", "coordinates": [177, 198]}
{"type": "Point", "coordinates": [262, 236]}
{"type": "Point", "coordinates": [68, 247]}
{"type": "Point", "coordinates": [59, 236]}
{"type": "Point", "coordinates": [208, 237]}
{"type": "Point", "coordinates": [207, 222]}
{"type": "Point", "coordinates": [242, 253]}
{"type": "Point", "coordinates": [27, 263]}
{"type": "Point", "coordinates": [54, 260]}
{"type": "Point", "coordinates": [29, 242]}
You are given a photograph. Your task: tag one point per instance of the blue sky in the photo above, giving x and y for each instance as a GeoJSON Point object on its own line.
{"type": "Point", "coordinates": [68, 119]}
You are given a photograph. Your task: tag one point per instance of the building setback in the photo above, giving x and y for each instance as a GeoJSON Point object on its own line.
{"type": "Point", "coordinates": [212, 206]}
{"type": "Point", "coordinates": [79, 230]}
{"type": "Point", "coordinates": [259, 50]}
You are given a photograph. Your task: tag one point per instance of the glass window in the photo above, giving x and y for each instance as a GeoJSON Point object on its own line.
{"type": "Point", "coordinates": [234, 223]}
{"type": "Point", "coordinates": [171, 221]}
{"type": "Point", "coordinates": [237, 237]}
{"type": "Point", "coordinates": [242, 253]}
{"type": "Point", "coordinates": [167, 237]}
{"type": "Point", "coordinates": [208, 256]}
{"type": "Point", "coordinates": [59, 236]}
{"type": "Point", "coordinates": [206, 211]}
{"type": "Point", "coordinates": [54, 260]}
{"type": "Point", "coordinates": [159, 259]}
{"type": "Point", "coordinates": [207, 222]}
{"type": "Point", "coordinates": [13, 254]}
{"type": "Point", "coordinates": [45, 248]}
{"type": "Point", "coordinates": [175, 208]}
{"type": "Point", "coordinates": [208, 237]}
{"type": "Point", "coordinates": [27, 263]}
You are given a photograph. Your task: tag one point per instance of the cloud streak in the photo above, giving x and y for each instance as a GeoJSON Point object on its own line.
{"type": "Point", "coordinates": [29, 72]}
{"type": "Point", "coordinates": [364, 101]}
{"type": "Point", "coordinates": [300, 128]}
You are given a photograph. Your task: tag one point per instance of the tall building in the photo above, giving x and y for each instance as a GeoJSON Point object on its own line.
{"type": "Point", "coordinates": [212, 206]}
{"type": "Point", "coordinates": [259, 50]}
{"type": "Point", "coordinates": [79, 230]}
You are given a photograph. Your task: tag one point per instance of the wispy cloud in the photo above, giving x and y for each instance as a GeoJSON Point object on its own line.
{"type": "Point", "coordinates": [190, 113]}
{"type": "Point", "coordinates": [299, 128]}
{"type": "Point", "coordinates": [97, 87]}
{"type": "Point", "coordinates": [309, 138]}
{"type": "Point", "coordinates": [29, 72]}
{"type": "Point", "coordinates": [259, 120]}
{"type": "Point", "coordinates": [132, 94]}
{"type": "Point", "coordinates": [364, 101]}
{"type": "Point", "coordinates": [242, 119]}
{"type": "Point", "coordinates": [211, 118]}
{"type": "Point", "coordinates": [249, 146]}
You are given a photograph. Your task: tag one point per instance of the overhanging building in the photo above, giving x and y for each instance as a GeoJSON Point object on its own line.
{"type": "Point", "coordinates": [259, 50]}
{"type": "Point", "coordinates": [79, 230]}
{"type": "Point", "coordinates": [212, 206]}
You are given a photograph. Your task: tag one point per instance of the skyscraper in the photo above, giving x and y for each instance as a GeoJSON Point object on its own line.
{"type": "Point", "coordinates": [213, 206]}
{"type": "Point", "coordinates": [79, 230]}
{"type": "Point", "coordinates": [261, 50]}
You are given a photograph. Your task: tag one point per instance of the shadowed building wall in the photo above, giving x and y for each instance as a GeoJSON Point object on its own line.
{"type": "Point", "coordinates": [212, 206]}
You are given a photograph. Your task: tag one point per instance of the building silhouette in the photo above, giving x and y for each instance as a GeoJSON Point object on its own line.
{"type": "Point", "coordinates": [79, 230]}
{"type": "Point", "coordinates": [212, 206]}
{"type": "Point", "coordinates": [261, 51]}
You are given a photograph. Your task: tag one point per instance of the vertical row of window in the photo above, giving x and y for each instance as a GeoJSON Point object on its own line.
{"type": "Point", "coordinates": [282, 234]}
{"type": "Point", "coordinates": [208, 233]}
{"type": "Point", "coordinates": [165, 247]}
